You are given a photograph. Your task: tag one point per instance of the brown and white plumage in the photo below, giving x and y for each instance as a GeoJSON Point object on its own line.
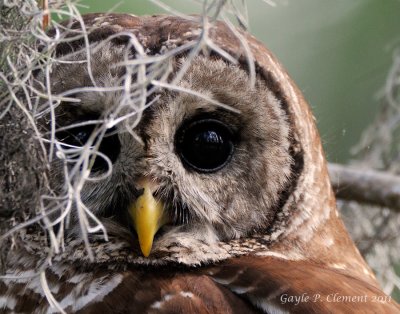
{"type": "Point", "coordinates": [239, 238]}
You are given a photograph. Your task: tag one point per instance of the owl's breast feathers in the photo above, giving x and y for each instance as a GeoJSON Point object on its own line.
{"type": "Point", "coordinates": [239, 285]}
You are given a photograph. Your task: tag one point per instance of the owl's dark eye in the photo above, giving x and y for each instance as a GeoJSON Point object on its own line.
{"type": "Point", "coordinates": [109, 146]}
{"type": "Point", "coordinates": [205, 145]}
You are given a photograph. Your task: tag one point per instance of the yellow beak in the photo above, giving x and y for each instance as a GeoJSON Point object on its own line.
{"type": "Point", "coordinates": [148, 216]}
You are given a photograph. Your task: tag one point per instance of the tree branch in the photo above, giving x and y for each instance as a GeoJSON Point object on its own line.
{"type": "Point", "coordinates": [366, 186]}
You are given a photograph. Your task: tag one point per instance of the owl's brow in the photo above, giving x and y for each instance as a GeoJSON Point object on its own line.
{"type": "Point", "coordinates": [194, 93]}
{"type": "Point", "coordinates": [230, 117]}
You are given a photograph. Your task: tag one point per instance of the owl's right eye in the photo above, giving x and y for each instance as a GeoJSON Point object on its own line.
{"type": "Point", "coordinates": [205, 145]}
{"type": "Point", "coordinates": [109, 146]}
{"type": "Point", "coordinates": [76, 136]}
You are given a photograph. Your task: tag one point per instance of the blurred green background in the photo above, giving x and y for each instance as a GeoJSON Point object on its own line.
{"type": "Point", "coordinates": [338, 51]}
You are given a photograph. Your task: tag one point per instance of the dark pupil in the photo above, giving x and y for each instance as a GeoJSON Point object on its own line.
{"type": "Point", "coordinates": [81, 137]}
{"type": "Point", "coordinates": [205, 145]}
{"type": "Point", "coordinates": [110, 144]}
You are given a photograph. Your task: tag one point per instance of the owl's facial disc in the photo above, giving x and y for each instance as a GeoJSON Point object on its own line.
{"type": "Point", "coordinates": [148, 215]}
{"type": "Point", "coordinates": [213, 174]}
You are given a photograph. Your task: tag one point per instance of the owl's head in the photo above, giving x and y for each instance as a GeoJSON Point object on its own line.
{"type": "Point", "coordinates": [194, 161]}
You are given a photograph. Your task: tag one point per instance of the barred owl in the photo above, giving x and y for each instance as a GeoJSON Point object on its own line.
{"type": "Point", "coordinates": [217, 200]}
